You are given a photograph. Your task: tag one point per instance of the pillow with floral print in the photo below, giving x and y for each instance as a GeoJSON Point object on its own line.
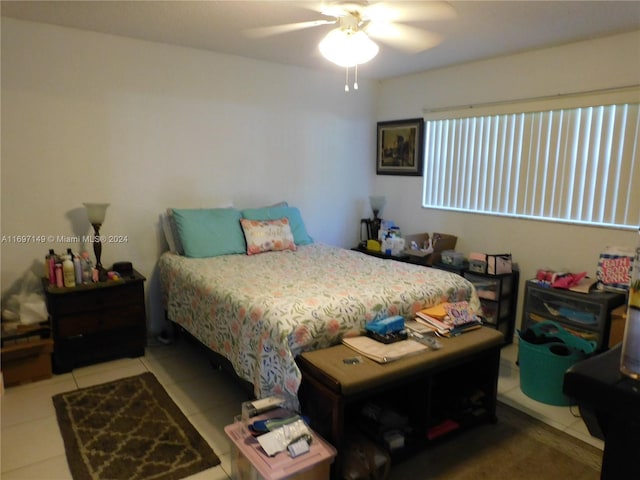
{"type": "Point", "coordinates": [267, 235]}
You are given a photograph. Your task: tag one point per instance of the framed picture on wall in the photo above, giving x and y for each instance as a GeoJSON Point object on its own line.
{"type": "Point", "coordinates": [400, 147]}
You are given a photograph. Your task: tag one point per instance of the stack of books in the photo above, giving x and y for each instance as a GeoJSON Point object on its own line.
{"type": "Point", "coordinates": [449, 319]}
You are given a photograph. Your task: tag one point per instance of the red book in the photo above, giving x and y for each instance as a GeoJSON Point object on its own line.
{"type": "Point", "coordinates": [445, 426]}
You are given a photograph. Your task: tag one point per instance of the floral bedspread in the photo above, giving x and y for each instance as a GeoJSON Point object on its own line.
{"type": "Point", "coordinates": [260, 311]}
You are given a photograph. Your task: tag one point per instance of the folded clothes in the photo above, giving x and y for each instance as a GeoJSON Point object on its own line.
{"type": "Point", "coordinates": [568, 280]}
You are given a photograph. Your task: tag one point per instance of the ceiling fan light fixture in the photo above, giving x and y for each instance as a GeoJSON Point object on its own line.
{"type": "Point", "coordinates": [348, 48]}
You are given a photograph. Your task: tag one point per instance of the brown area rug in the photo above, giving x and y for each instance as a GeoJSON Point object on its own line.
{"type": "Point", "coordinates": [518, 447]}
{"type": "Point", "coordinates": [129, 429]}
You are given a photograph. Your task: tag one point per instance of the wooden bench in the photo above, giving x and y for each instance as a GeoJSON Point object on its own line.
{"type": "Point", "coordinates": [332, 391]}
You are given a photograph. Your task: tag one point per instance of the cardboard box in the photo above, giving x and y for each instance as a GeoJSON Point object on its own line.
{"type": "Point", "coordinates": [27, 360]}
{"type": "Point", "coordinates": [618, 322]}
{"type": "Point", "coordinates": [441, 242]}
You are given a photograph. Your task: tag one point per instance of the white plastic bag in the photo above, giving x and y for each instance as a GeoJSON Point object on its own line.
{"type": "Point", "coordinates": [28, 305]}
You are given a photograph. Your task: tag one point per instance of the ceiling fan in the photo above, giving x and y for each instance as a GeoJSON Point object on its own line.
{"type": "Point", "coordinates": [357, 22]}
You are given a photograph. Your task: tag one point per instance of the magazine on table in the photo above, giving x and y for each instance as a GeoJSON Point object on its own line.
{"type": "Point", "coordinates": [449, 319]}
{"type": "Point", "coordinates": [383, 352]}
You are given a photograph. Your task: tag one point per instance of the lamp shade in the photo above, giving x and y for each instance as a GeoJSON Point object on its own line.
{"type": "Point", "coordinates": [347, 48]}
{"type": "Point", "coordinates": [377, 204]}
{"type": "Point", "coordinates": [96, 212]}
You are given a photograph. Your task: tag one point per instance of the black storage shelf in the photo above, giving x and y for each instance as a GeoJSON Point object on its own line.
{"type": "Point", "coordinates": [587, 315]}
{"type": "Point", "coordinates": [498, 297]}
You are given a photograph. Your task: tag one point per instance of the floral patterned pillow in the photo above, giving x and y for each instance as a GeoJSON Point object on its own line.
{"type": "Point", "coordinates": [267, 235]}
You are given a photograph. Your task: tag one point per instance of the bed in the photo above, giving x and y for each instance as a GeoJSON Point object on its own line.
{"type": "Point", "coordinates": [260, 310]}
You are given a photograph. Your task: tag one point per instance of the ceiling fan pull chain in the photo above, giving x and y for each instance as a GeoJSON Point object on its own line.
{"type": "Point", "coordinates": [346, 81]}
{"type": "Point", "coordinates": [355, 82]}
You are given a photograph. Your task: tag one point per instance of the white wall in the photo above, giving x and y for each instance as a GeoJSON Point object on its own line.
{"type": "Point", "coordinates": [146, 126]}
{"type": "Point", "coordinates": [584, 66]}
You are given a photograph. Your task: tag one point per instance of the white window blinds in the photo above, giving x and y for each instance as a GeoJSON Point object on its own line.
{"type": "Point", "coordinates": [577, 165]}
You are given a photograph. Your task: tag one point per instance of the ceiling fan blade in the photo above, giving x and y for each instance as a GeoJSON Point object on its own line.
{"type": "Point", "coordinates": [403, 37]}
{"type": "Point", "coordinates": [409, 11]}
{"type": "Point", "coordinates": [260, 32]}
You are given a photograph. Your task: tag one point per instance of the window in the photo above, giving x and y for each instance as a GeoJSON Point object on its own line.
{"type": "Point", "coordinates": [576, 165]}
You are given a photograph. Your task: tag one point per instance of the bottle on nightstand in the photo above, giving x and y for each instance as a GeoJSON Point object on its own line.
{"type": "Point", "coordinates": [77, 269]}
{"type": "Point", "coordinates": [50, 267]}
{"type": "Point", "coordinates": [68, 272]}
{"type": "Point", "coordinates": [87, 268]}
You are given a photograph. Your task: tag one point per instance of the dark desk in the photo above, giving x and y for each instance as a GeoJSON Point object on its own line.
{"type": "Point", "coordinates": [609, 403]}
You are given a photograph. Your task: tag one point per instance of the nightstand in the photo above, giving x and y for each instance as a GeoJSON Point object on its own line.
{"type": "Point", "coordinates": [97, 322]}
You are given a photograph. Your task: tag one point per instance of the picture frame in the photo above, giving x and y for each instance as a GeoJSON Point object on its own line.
{"type": "Point", "coordinates": [400, 147]}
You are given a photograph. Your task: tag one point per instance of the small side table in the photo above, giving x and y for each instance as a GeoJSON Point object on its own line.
{"type": "Point", "coordinates": [97, 322]}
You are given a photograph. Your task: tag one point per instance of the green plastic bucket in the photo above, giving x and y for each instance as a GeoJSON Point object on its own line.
{"type": "Point", "coordinates": [542, 367]}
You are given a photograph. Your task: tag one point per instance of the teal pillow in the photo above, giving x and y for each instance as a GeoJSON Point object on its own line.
{"type": "Point", "coordinates": [300, 235]}
{"type": "Point", "coordinates": [209, 232]}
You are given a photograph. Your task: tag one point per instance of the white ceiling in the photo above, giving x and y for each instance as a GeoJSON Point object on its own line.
{"type": "Point", "coordinates": [479, 29]}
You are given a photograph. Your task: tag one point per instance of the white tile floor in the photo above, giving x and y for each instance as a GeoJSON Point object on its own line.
{"type": "Point", "coordinates": [32, 447]}
{"type": "Point", "coordinates": [566, 419]}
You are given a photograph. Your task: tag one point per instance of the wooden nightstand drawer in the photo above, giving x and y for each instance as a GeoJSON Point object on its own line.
{"type": "Point", "coordinates": [96, 322]}
{"type": "Point", "coordinates": [92, 300]}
